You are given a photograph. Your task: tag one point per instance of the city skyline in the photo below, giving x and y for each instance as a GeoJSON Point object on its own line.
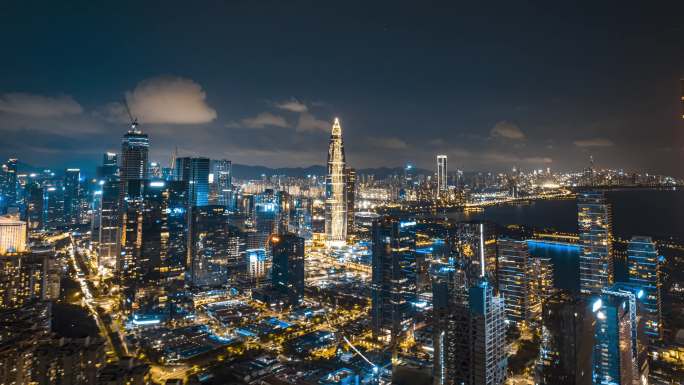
{"type": "Point", "coordinates": [605, 99]}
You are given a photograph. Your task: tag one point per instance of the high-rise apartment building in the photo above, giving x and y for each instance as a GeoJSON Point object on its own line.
{"type": "Point", "coordinates": [194, 171]}
{"type": "Point", "coordinates": [517, 272]}
{"type": "Point", "coordinates": [287, 272]}
{"type": "Point", "coordinates": [335, 186]}
{"type": "Point", "coordinates": [643, 263]}
{"type": "Point", "coordinates": [595, 238]}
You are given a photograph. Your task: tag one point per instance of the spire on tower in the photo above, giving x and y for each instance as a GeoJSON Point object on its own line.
{"type": "Point", "coordinates": [336, 128]}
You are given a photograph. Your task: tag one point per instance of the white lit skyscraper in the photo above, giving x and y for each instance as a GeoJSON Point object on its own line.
{"type": "Point", "coordinates": [595, 238]}
{"type": "Point", "coordinates": [441, 174]}
{"type": "Point", "coordinates": [335, 186]}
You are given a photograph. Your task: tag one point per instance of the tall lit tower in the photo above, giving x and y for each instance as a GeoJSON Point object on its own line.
{"type": "Point", "coordinates": [595, 238]}
{"type": "Point", "coordinates": [441, 174]}
{"type": "Point", "coordinates": [643, 263]}
{"type": "Point", "coordinates": [134, 154]}
{"type": "Point", "coordinates": [335, 186]}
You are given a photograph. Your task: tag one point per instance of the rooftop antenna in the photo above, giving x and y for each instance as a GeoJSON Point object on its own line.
{"type": "Point", "coordinates": [134, 121]}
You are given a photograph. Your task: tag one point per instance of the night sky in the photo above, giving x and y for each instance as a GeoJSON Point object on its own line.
{"type": "Point", "coordinates": [530, 85]}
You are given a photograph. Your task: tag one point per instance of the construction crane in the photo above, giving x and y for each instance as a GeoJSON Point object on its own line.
{"type": "Point", "coordinates": [134, 121]}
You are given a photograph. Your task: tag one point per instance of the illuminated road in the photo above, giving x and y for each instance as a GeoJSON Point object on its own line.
{"type": "Point", "coordinates": [89, 301]}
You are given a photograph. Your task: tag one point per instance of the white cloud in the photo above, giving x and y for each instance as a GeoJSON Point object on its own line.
{"type": "Point", "coordinates": [262, 120]}
{"type": "Point", "coordinates": [594, 142]}
{"type": "Point", "coordinates": [388, 143]}
{"type": "Point", "coordinates": [309, 123]}
{"type": "Point", "coordinates": [292, 105]}
{"type": "Point", "coordinates": [171, 100]}
{"type": "Point", "coordinates": [507, 130]}
{"type": "Point", "coordinates": [38, 105]}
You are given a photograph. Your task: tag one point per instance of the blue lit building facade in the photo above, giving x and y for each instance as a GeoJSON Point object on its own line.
{"type": "Point", "coordinates": [195, 172]}
{"type": "Point", "coordinates": [643, 263]}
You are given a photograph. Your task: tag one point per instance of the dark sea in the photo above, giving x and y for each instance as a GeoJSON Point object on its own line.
{"type": "Point", "coordinates": [653, 212]}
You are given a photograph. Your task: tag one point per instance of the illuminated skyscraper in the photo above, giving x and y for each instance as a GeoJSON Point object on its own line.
{"type": "Point", "coordinates": [516, 273]}
{"type": "Point", "coordinates": [474, 244]}
{"type": "Point", "coordinates": [595, 238]}
{"type": "Point", "coordinates": [287, 274]}
{"type": "Point", "coordinates": [223, 181]}
{"type": "Point", "coordinates": [350, 180]}
{"type": "Point", "coordinates": [8, 184]}
{"type": "Point", "coordinates": [643, 263]}
{"type": "Point", "coordinates": [442, 186]}
{"type": "Point", "coordinates": [135, 148]}
{"type": "Point", "coordinates": [393, 279]}
{"type": "Point", "coordinates": [488, 335]}
{"type": "Point", "coordinates": [214, 246]}
{"type": "Point", "coordinates": [72, 187]}
{"type": "Point", "coordinates": [194, 171]}
{"type": "Point", "coordinates": [335, 186]}
{"type": "Point", "coordinates": [620, 356]}
{"type": "Point", "coordinates": [109, 226]}
{"type": "Point", "coordinates": [109, 167]}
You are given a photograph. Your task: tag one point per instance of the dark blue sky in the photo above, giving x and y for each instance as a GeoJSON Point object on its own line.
{"type": "Point", "coordinates": [535, 84]}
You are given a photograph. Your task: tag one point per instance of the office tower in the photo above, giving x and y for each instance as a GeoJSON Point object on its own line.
{"type": "Point", "coordinates": [109, 227]}
{"type": "Point", "coordinates": [393, 280]}
{"type": "Point", "coordinates": [442, 186]}
{"type": "Point", "coordinates": [335, 196]}
{"type": "Point", "coordinates": [22, 331]}
{"type": "Point", "coordinates": [154, 171]}
{"type": "Point", "coordinates": [175, 197]}
{"type": "Point", "coordinates": [194, 171]}
{"type": "Point", "coordinates": [643, 264]}
{"type": "Point", "coordinates": [224, 182]}
{"type": "Point", "coordinates": [595, 238]}
{"type": "Point", "coordinates": [135, 148]}
{"type": "Point", "coordinates": [34, 204]}
{"type": "Point", "coordinates": [488, 335]}
{"type": "Point", "coordinates": [12, 235]}
{"type": "Point", "coordinates": [474, 244]}
{"type": "Point", "coordinates": [131, 262]}
{"type": "Point", "coordinates": [287, 273]}
{"type": "Point", "coordinates": [8, 184]}
{"type": "Point", "coordinates": [285, 209]}
{"type": "Point", "coordinates": [451, 326]}
{"type": "Point", "coordinates": [567, 341]}
{"type": "Point", "coordinates": [72, 187]}
{"type": "Point", "coordinates": [620, 356]}
{"type": "Point", "coordinates": [109, 167]}
{"type": "Point", "coordinates": [53, 205]}
{"type": "Point", "coordinates": [266, 218]}
{"type": "Point", "coordinates": [350, 180]}
{"type": "Point", "coordinates": [163, 230]}
{"type": "Point", "coordinates": [214, 246]}
{"type": "Point", "coordinates": [516, 274]}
